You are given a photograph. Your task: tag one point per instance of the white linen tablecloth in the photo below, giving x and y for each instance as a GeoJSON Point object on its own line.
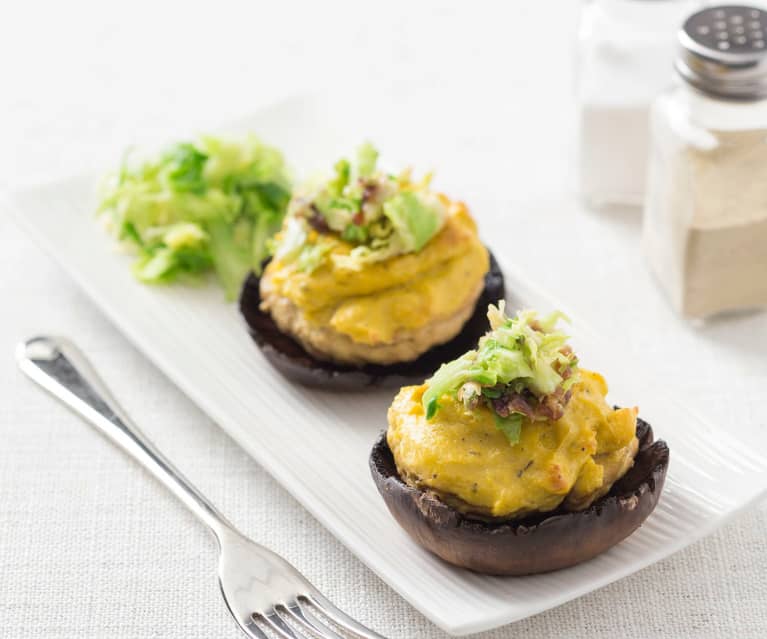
{"type": "Point", "coordinates": [89, 545]}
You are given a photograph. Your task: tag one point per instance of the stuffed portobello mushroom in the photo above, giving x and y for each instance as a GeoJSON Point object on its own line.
{"type": "Point", "coordinates": [371, 274]}
{"type": "Point", "coordinates": [509, 460]}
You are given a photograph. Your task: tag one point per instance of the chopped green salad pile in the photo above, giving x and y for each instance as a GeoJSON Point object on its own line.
{"type": "Point", "coordinates": [381, 215]}
{"type": "Point", "coordinates": [210, 204]}
{"type": "Point", "coordinates": [522, 368]}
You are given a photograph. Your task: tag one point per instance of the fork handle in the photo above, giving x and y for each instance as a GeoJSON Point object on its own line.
{"type": "Point", "coordinates": [59, 367]}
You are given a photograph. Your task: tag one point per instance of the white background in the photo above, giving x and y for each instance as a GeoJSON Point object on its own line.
{"type": "Point", "coordinates": [88, 545]}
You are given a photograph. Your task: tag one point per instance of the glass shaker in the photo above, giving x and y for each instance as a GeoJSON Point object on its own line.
{"type": "Point", "coordinates": [625, 52]}
{"type": "Point", "coordinates": [705, 222]}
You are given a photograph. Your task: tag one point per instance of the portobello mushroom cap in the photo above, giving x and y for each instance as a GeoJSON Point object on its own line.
{"type": "Point", "coordinates": [533, 544]}
{"type": "Point", "coordinates": [295, 363]}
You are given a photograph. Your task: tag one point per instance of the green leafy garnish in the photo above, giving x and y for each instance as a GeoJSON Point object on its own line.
{"type": "Point", "coordinates": [343, 171]}
{"type": "Point", "coordinates": [380, 215]}
{"type": "Point", "coordinates": [510, 426]}
{"type": "Point", "coordinates": [367, 157]}
{"type": "Point", "coordinates": [185, 167]}
{"type": "Point", "coordinates": [355, 233]}
{"type": "Point", "coordinates": [199, 206]}
{"type": "Point", "coordinates": [522, 368]}
{"type": "Point", "coordinates": [413, 219]}
{"type": "Point", "coordinates": [311, 257]}
{"type": "Point", "coordinates": [431, 408]}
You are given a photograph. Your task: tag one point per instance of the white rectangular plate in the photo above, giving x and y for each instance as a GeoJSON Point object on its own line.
{"type": "Point", "coordinates": [201, 344]}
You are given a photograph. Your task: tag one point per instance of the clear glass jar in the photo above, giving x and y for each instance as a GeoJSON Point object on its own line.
{"type": "Point", "coordinates": [705, 221]}
{"type": "Point", "coordinates": [625, 53]}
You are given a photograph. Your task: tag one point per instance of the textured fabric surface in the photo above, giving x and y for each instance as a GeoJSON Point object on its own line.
{"type": "Point", "coordinates": [90, 546]}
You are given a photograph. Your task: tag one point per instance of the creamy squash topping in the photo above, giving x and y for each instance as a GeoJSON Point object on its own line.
{"type": "Point", "coordinates": [463, 456]}
{"type": "Point", "coordinates": [514, 426]}
{"type": "Point", "coordinates": [374, 256]}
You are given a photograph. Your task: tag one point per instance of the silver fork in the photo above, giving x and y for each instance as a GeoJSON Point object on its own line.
{"type": "Point", "coordinates": [264, 593]}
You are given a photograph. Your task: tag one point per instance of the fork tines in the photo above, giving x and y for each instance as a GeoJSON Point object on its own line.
{"type": "Point", "coordinates": [296, 620]}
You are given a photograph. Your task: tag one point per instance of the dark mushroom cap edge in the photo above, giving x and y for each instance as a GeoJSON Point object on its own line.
{"type": "Point", "coordinates": [290, 358]}
{"type": "Point", "coordinates": [541, 543]}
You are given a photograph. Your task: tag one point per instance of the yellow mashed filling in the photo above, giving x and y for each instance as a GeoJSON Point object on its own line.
{"type": "Point", "coordinates": [375, 302]}
{"type": "Point", "coordinates": [463, 456]}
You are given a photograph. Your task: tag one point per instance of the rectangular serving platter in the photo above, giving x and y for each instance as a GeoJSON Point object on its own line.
{"type": "Point", "coordinates": [200, 343]}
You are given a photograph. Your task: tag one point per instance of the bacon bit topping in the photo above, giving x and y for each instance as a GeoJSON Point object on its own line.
{"type": "Point", "coordinates": [369, 192]}
{"type": "Point", "coordinates": [550, 407]}
{"type": "Point", "coordinates": [317, 220]}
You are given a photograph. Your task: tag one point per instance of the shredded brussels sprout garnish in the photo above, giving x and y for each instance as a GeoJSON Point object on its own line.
{"type": "Point", "coordinates": [211, 204]}
{"type": "Point", "coordinates": [522, 368]}
{"type": "Point", "coordinates": [379, 214]}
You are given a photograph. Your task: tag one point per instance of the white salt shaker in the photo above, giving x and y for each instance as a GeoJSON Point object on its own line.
{"type": "Point", "coordinates": [625, 54]}
{"type": "Point", "coordinates": [705, 221]}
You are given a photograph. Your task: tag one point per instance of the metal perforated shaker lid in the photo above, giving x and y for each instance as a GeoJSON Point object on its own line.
{"type": "Point", "coordinates": [724, 52]}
